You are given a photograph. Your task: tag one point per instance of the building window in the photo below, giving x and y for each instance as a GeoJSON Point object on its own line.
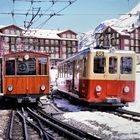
{"type": "Point", "coordinates": [42, 49]}
{"type": "Point", "coordinates": [74, 50]}
{"type": "Point", "coordinates": [13, 48]}
{"type": "Point", "coordinates": [47, 49]}
{"type": "Point", "coordinates": [132, 48]}
{"type": "Point", "coordinates": [68, 35]}
{"type": "Point", "coordinates": [64, 49]}
{"type": "Point", "coordinates": [73, 43]}
{"type": "Point", "coordinates": [64, 56]}
{"type": "Point", "coordinates": [31, 48]}
{"type": "Point", "coordinates": [36, 48]}
{"type": "Point", "coordinates": [41, 41]}
{"type": "Point", "coordinates": [117, 35]}
{"type": "Point", "coordinates": [73, 36]}
{"type": "Point", "coordinates": [136, 36]}
{"type": "Point", "coordinates": [56, 42]}
{"type": "Point", "coordinates": [132, 35]}
{"type": "Point", "coordinates": [64, 42]}
{"type": "Point", "coordinates": [117, 41]}
{"type": "Point", "coordinates": [126, 48]}
{"type": "Point", "coordinates": [57, 49]}
{"type": "Point", "coordinates": [137, 49]}
{"type": "Point", "coordinates": [64, 35]}
{"type": "Point", "coordinates": [17, 32]}
{"type": "Point", "coordinates": [12, 32]}
{"type": "Point", "coordinates": [52, 49]}
{"type": "Point", "coordinates": [126, 41]}
{"type": "Point", "coordinates": [52, 42]}
{"type": "Point", "coordinates": [56, 55]}
{"type": "Point", "coordinates": [30, 40]}
{"type": "Point", "coordinates": [136, 42]}
{"type": "Point", "coordinates": [6, 31]}
{"type": "Point", "coordinates": [137, 31]}
{"type": "Point", "coordinates": [69, 43]}
{"type": "Point", "coordinates": [69, 50]}
{"type": "Point", "coordinates": [132, 42]}
{"type": "Point", "coordinates": [12, 40]}
{"type": "Point", "coordinates": [109, 29]}
{"type": "Point", "coordinates": [6, 39]}
{"type": "Point", "coordinates": [26, 47]}
{"type": "Point", "coordinates": [47, 41]}
{"type": "Point", "coordinates": [18, 40]}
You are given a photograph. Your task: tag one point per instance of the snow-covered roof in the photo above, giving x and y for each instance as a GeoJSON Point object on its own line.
{"type": "Point", "coordinates": [43, 33]}
{"type": "Point", "coordinates": [40, 33]}
{"type": "Point", "coordinates": [122, 31]}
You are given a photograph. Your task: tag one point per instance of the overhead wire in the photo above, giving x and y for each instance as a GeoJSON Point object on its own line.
{"type": "Point", "coordinates": [55, 14]}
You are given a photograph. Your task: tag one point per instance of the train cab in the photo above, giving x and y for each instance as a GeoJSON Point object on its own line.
{"type": "Point", "coordinates": [25, 76]}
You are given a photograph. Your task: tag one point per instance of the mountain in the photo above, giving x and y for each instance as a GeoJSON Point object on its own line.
{"type": "Point", "coordinates": [128, 21]}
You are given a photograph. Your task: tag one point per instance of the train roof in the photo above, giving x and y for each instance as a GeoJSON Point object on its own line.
{"type": "Point", "coordinates": [22, 53]}
{"type": "Point", "coordinates": [88, 50]}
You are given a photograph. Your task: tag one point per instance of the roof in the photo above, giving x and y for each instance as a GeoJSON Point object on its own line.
{"type": "Point", "coordinates": [49, 34]}
{"type": "Point", "coordinates": [12, 25]}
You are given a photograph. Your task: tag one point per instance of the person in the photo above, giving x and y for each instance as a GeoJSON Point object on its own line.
{"type": "Point", "coordinates": [9, 69]}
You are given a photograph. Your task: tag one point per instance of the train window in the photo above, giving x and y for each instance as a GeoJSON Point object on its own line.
{"type": "Point", "coordinates": [69, 70]}
{"type": "Point", "coordinates": [126, 65]}
{"type": "Point", "coordinates": [99, 64]}
{"type": "Point", "coordinates": [42, 66]}
{"type": "Point", "coordinates": [26, 67]}
{"type": "Point", "coordinates": [10, 67]}
{"type": "Point", "coordinates": [84, 70]}
{"type": "Point", "coordinates": [112, 65]}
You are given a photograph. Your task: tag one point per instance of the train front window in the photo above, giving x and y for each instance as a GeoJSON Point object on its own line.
{"type": "Point", "coordinates": [10, 67]}
{"type": "Point", "coordinates": [99, 64]}
{"type": "Point", "coordinates": [112, 65]}
{"type": "Point", "coordinates": [126, 65]}
{"type": "Point", "coordinates": [26, 67]}
{"type": "Point", "coordinates": [42, 66]}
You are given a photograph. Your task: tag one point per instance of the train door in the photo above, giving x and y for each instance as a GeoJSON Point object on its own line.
{"type": "Point", "coordinates": [112, 76]}
{"type": "Point", "coordinates": [73, 75]}
{"type": "Point", "coordinates": [1, 77]}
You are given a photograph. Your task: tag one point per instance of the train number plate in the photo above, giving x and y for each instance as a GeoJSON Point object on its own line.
{"type": "Point", "coordinates": [99, 53]}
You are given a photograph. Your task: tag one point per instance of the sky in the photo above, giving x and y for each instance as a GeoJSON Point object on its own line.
{"type": "Point", "coordinates": [81, 16]}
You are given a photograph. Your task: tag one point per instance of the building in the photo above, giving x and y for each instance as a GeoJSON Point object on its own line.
{"type": "Point", "coordinates": [60, 44]}
{"type": "Point", "coordinates": [120, 38]}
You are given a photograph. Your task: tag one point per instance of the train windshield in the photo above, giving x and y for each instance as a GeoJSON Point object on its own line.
{"type": "Point", "coordinates": [126, 65]}
{"type": "Point", "coordinates": [112, 65]}
{"type": "Point", "coordinates": [32, 66]}
{"type": "Point", "coordinates": [99, 64]}
{"type": "Point", "coordinates": [26, 67]}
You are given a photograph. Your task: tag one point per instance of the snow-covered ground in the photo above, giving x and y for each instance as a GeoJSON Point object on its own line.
{"type": "Point", "coordinates": [136, 105]}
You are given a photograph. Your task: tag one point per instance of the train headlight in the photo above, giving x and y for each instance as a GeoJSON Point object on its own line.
{"type": "Point", "coordinates": [10, 88]}
{"type": "Point", "coordinates": [98, 88]}
{"type": "Point", "coordinates": [42, 87]}
{"type": "Point", "coordinates": [126, 89]}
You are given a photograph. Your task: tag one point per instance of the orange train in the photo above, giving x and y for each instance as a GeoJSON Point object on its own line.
{"type": "Point", "coordinates": [99, 77]}
{"type": "Point", "coordinates": [24, 76]}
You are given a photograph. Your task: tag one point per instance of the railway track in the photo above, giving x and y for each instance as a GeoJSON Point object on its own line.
{"type": "Point", "coordinates": [28, 124]}
{"type": "Point", "coordinates": [135, 116]}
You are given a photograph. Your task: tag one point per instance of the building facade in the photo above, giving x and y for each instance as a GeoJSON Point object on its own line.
{"type": "Point", "coordinates": [120, 38]}
{"type": "Point", "coordinates": [60, 44]}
